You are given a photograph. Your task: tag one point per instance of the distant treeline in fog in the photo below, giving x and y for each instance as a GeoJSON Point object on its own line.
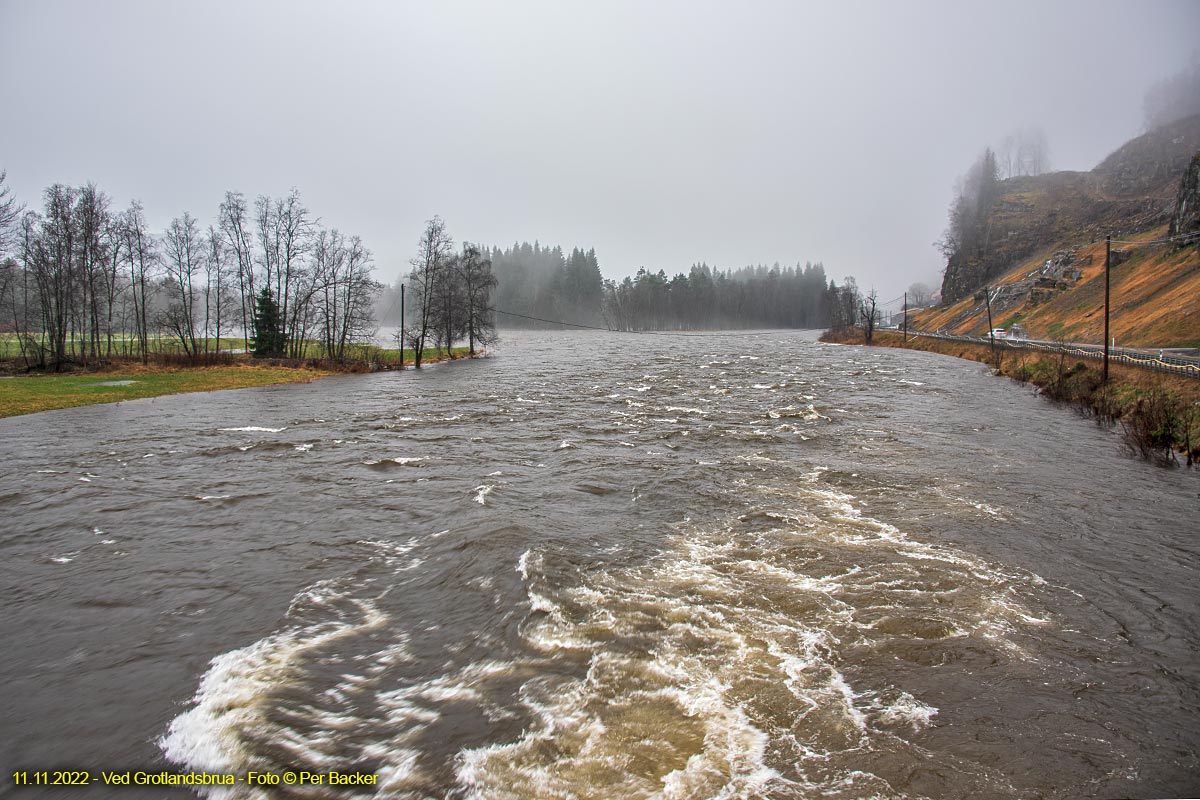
{"type": "Point", "coordinates": [538, 283]}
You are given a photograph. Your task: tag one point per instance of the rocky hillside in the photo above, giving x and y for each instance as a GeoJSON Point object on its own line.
{"type": "Point", "coordinates": [1045, 250]}
{"type": "Point", "coordinates": [1131, 191]}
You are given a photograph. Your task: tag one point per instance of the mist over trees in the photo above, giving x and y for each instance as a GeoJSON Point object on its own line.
{"type": "Point", "coordinates": [707, 298]}
{"type": "Point", "coordinates": [1174, 98]}
{"type": "Point", "coordinates": [539, 285]}
{"type": "Point", "coordinates": [545, 282]}
{"type": "Point", "coordinates": [83, 280]}
{"type": "Point", "coordinates": [967, 236]}
{"type": "Point", "coordinates": [1023, 152]}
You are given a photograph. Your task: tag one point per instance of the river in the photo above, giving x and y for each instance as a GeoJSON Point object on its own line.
{"type": "Point", "coordinates": [597, 565]}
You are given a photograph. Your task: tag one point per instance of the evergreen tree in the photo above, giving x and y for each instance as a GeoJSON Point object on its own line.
{"type": "Point", "coordinates": [268, 329]}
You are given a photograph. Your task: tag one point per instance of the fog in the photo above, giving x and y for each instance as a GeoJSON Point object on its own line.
{"type": "Point", "coordinates": [659, 134]}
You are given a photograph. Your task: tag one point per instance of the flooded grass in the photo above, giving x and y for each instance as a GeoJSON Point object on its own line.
{"type": "Point", "coordinates": [28, 395]}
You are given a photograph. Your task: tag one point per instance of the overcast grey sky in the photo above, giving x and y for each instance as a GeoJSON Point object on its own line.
{"type": "Point", "coordinates": [661, 133]}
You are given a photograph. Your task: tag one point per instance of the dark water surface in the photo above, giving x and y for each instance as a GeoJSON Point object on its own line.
{"type": "Point", "coordinates": [597, 566]}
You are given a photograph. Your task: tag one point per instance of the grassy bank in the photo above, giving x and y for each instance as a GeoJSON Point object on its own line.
{"type": "Point", "coordinates": [128, 379]}
{"type": "Point", "coordinates": [30, 394]}
{"type": "Point", "coordinates": [1159, 414]}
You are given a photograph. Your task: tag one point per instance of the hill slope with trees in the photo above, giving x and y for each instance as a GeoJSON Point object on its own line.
{"type": "Point", "coordinates": [1037, 242]}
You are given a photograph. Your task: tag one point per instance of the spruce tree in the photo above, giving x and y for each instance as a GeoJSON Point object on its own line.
{"type": "Point", "coordinates": [268, 333]}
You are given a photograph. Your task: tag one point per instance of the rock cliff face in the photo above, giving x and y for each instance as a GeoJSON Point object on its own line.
{"type": "Point", "coordinates": [1134, 189]}
{"type": "Point", "coordinates": [1186, 217]}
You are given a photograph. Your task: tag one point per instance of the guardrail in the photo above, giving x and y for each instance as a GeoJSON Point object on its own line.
{"type": "Point", "coordinates": [1173, 364]}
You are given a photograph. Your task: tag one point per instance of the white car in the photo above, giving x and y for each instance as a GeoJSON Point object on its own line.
{"type": "Point", "coordinates": [999, 333]}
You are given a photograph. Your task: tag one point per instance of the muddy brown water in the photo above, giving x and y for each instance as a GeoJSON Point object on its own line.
{"type": "Point", "coordinates": [606, 566]}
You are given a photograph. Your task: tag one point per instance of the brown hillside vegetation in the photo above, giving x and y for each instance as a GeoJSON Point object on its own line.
{"type": "Point", "coordinates": [1045, 252]}
{"type": "Point", "coordinates": [1155, 296]}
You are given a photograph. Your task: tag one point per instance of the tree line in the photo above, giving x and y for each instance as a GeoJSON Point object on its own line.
{"type": "Point", "coordinates": [83, 280]}
{"type": "Point", "coordinates": [750, 297]}
{"type": "Point", "coordinates": [540, 284]}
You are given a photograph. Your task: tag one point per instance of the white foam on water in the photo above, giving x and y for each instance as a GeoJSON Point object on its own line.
{"type": "Point", "coordinates": [206, 497]}
{"type": "Point", "coordinates": [402, 461]}
{"type": "Point", "coordinates": [523, 563]}
{"type": "Point", "coordinates": [684, 410]}
{"type": "Point", "coordinates": [304, 448]}
{"type": "Point", "coordinates": [255, 429]}
{"type": "Point", "coordinates": [688, 654]}
{"type": "Point", "coordinates": [482, 492]}
{"type": "Point", "coordinates": [231, 707]}
{"type": "Point", "coordinates": [809, 413]}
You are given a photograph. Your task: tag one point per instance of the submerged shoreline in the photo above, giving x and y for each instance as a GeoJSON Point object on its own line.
{"type": "Point", "coordinates": [1159, 414]}
{"type": "Point", "coordinates": [114, 382]}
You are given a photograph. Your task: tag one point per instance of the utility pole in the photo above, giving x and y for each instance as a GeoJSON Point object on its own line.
{"type": "Point", "coordinates": [1107, 263]}
{"type": "Point", "coordinates": [402, 326]}
{"type": "Point", "coordinates": [987, 296]}
{"type": "Point", "coordinates": [906, 316]}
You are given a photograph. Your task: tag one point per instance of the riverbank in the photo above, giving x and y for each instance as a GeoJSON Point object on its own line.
{"type": "Point", "coordinates": [34, 393]}
{"type": "Point", "coordinates": [1159, 414]}
{"type": "Point", "coordinates": [129, 379]}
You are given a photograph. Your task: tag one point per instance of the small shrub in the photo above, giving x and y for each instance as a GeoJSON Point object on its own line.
{"type": "Point", "coordinates": [1153, 426]}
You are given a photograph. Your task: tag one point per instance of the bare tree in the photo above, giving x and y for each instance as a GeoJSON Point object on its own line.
{"type": "Point", "coordinates": [184, 256]}
{"type": "Point", "coordinates": [448, 301]}
{"type": "Point", "coordinates": [475, 272]}
{"type": "Point", "coordinates": [112, 285]}
{"type": "Point", "coordinates": [22, 319]}
{"type": "Point", "coordinates": [52, 261]}
{"type": "Point", "coordinates": [433, 253]}
{"type": "Point", "coordinates": [919, 295]}
{"type": "Point", "coordinates": [358, 307]}
{"type": "Point", "coordinates": [294, 227]}
{"type": "Point", "coordinates": [10, 215]}
{"type": "Point", "coordinates": [142, 255]}
{"type": "Point", "coordinates": [869, 314]}
{"type": "Point", "coordinates": [233, 224]}
{"type": "Point", "coordinates": [343, 307]}
{"type": "Point", "coordinates": [91, 219]}
{"type": "Point", "coordinates": [1033, 153]}
{"type": "Point", "coordinates": [216, 267]}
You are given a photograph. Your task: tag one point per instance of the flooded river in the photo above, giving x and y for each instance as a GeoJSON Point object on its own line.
{"type": "Point", "coordinates": [597, 566]}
